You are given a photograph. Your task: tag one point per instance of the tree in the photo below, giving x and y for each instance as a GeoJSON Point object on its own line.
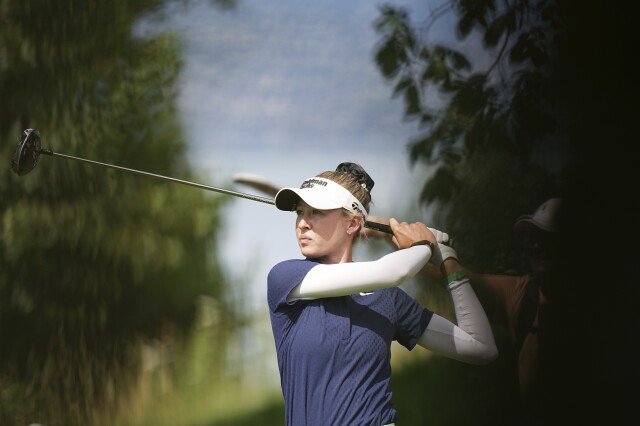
{"type": "Point", "coordinates": [92, 260]}
{"type": "Point", "coordinates": [562, 74]}
{"type": "Point", "coordinates": [496, 133]}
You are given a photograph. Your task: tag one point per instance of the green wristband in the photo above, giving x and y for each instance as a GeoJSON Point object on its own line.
{"type": "Point", "coordinates": [457, 276]}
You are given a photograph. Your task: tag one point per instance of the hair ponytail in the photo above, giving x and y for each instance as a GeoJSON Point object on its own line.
{"type": "Point", "coordinates": [355, 179]}
{"type": "Point", "coordinates": [361, 176]}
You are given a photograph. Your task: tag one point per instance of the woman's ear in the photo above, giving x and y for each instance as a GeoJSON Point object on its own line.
{"type": "Point", "coordinates": [354, 224]}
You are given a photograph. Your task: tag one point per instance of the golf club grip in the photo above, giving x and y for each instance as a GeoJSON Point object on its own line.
{"type": "Point", "coordinates": [378, 227]}
{"type": "Point", "coordinates": [387, 229]}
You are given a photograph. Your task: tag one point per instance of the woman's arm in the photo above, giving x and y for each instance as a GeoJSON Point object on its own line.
{"type": "Point", "coordinates": [472, 339]}
{"type": "Point", "coordinates": [342, 279]}
{"type": "Point", "coordinates": [350, 278]}
{"type": "Point", "coordinates": [493, 291]}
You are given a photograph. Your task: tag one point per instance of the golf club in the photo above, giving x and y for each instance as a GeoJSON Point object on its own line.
{"type": "Point", "coordinates": [265, 186]}
{"type": "Point", "coordinates": [28, 151]}
{"type": "Point", "coordinates": [258, 182]}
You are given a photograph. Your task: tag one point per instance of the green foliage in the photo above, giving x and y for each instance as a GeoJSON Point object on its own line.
{"type": "Point", "coordinates": [92, 259]}
{"type": "Point", "coordinates": [493, 133]}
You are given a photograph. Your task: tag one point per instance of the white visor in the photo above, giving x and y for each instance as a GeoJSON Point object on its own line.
{"type": "Point", "coordinates": [319, 193]}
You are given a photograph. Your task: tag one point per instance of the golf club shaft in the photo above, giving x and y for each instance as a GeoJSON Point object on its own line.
{"type": "Point", "coordinates": [184, 182]}
{"type": "Point", "coordinates": [373, 225]}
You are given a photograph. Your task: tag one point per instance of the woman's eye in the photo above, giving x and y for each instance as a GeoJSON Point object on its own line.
{"type": "Point", "coordinates": [298, 212]}
{"type": "Point", "coordinates": [317, 211]}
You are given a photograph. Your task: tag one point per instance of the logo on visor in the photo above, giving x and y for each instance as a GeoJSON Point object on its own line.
{"type": "Point", "coordinates": [355, 207]}
{"type": "Point", "coordinates": [309, 183]}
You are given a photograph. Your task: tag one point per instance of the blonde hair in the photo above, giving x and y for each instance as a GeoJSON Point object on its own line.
{"type": "Point", "coordinates": [354, 179]}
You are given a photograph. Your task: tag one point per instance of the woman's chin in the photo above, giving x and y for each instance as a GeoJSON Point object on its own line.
{"type": "Point", "coordinates": [309, 252]}
{"type": "Point", "coordinates": [306, 252]}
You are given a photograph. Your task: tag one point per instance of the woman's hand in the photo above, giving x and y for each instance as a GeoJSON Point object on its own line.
{"type": "Point", "coordinates": [405, 234]}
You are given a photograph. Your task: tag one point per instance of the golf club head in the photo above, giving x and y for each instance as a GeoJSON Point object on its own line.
{"type": "Point", "coordinates": [257, 182]}
{"type": "Point", "coordinates": [25, 157]}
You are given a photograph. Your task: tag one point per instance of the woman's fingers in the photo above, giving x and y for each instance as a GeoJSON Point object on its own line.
{"type": "Point", "coordinates": [405, 234]}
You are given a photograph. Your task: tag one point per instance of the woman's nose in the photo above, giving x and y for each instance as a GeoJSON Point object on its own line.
{"type": "Point", "coordinates": [303, 222]}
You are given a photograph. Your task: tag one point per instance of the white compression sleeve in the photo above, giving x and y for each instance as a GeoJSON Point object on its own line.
{"type": "Point", "coordinates": [342, 279]}
{"type": "Point", "coordinates": [472, 339]}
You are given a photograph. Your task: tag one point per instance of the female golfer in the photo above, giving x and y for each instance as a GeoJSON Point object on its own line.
{"type": "Point", "coordinates": [333, 320]}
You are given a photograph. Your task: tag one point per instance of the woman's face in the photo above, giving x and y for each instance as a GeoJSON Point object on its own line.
{"type": "Point", "coordinates": [322, 234]}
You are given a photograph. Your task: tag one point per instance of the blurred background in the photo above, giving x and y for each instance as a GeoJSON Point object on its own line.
{"type": "Point", "coordinates": [126, 300]}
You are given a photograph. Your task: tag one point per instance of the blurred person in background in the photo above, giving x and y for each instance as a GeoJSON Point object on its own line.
{"type": "Point", "coordinates": [523, 303]}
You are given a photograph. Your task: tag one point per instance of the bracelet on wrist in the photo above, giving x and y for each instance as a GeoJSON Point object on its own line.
{"type": "Point", "coordinates": [423, 243]}
{"type": "Point", "coordinates": [456, 276]}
